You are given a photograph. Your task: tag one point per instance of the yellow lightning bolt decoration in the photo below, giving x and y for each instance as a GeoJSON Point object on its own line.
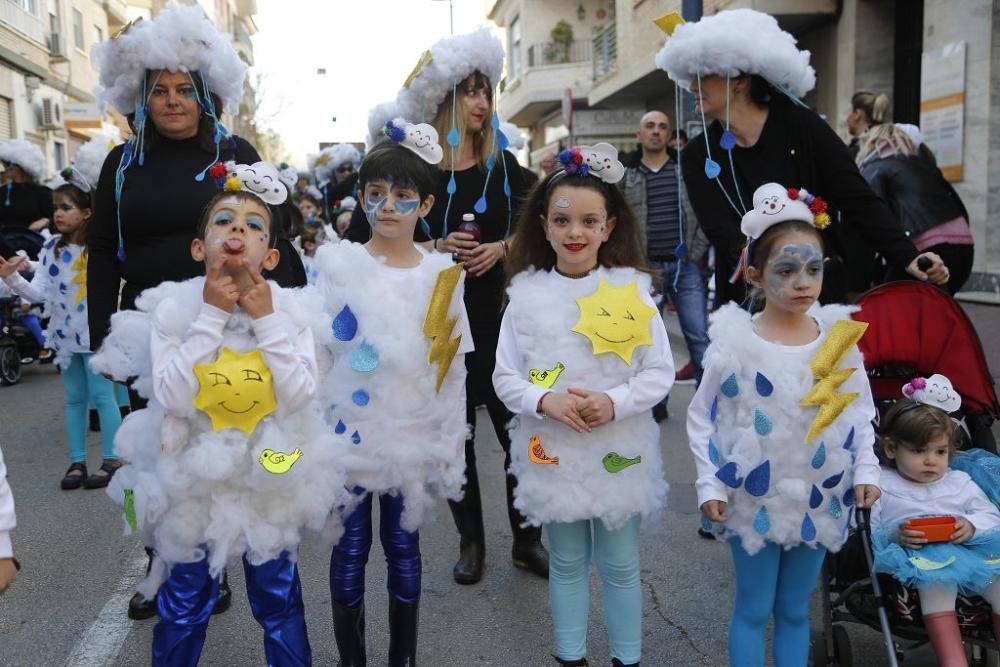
{"type": "Point", "coordinates": [438, 326]}
{"type": "Point", "coordinates": [425, 59]}
{"type": "Point", "coordinates": [844, 335]}
{"type": "Point", "coordinates": [80, 279]}
{"type": "Point", "coordinates": [669, 22]}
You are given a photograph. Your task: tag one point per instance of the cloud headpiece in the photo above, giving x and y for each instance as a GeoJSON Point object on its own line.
{"type": "Point", "coordinates": [261, 179]}
{"type": "Point", "coordinates": [935, 391]}
{"type": "Point", "coordinates": [422, 139]}
{"type": "Point", "coordinates": [25, 155]}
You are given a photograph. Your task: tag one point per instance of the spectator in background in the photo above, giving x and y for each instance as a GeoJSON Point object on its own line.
{"type": "Point", "coordinates": [678, 140]}
{"type": "Point", "coordinates": [867, 110]}
{"type": "Point", "coordinates": [674, 241]}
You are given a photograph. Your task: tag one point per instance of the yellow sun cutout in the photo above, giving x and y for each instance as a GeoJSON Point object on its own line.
{"type": "Point", "coordinates": [615, 319]}
{"type": "Point", "coordinates": [237, 390]}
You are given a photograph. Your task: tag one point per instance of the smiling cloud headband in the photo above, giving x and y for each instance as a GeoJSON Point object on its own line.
{"type": "Point", "coordinates": [422, 139]}
{"type": "Point", "coordinates": [261, 179]}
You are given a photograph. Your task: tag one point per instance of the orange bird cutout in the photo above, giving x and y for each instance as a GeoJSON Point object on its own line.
{"type": "Point", "coordinates": [537, 454]}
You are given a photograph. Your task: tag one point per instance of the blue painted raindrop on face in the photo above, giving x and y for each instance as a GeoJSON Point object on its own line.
{"type": "Point", "coordinates": [759, 480]}
{"type": "Point", "coordinates": [712, 168]}
{"type": "Point", "coordinates": [762, 522]}
{"type": "Point", "coordinates": [808, 529]}
{"type": "Point", "coordinates": [365, 358]}
{"type": "Point", "coordinates": [833, 480]}
{"type": "Point", "coordinates": [728, 141]}
{"type": "Point", "coordinates": [345, 325]}
{"type": "Point", "coordinates": [356, 438]}
{"type": "Point", "coordinates": [836, 511]}
{"type": "Point", "coordinates": [480, 206]}
{"type": "Point", "coordinates": [849, 441]}
{"type": "Point", "coordinates": [819, 458]}
{"type": "Point", "coordinates": [453, 137]}
{"type": "Point", "coordinates": [452, 186]}
{"type": "Point", "coordinates": [815, 498]}
{"type": "Point", "coordinates": [713, 452]}
{"type": "Point", "coordinates": [762, 423]}
{"type": "Point", "coordinates": [729, 387]}
{"type": "Point", "coordinates": [53, 269]}
{"type": "Point", "coordinates": [360, 398]}
{"type": "Point", "coordinates": [340, 428]}
{"type": "Point", "coordinates": [764, 386]}
{"type": "Point", "coordinates": [727, 474]}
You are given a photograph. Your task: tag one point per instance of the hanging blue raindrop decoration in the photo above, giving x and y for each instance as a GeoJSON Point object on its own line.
{"type": "Point", "coordinates": [819, 458]}
{"type": "Point", "coordinates": [480, 206]}
{"type": "Point", "coordinates": [730, 389]}
{"type": "Point", "coordinates": [727, 474]}
{"type": "Point", "coordinates": [808, 529]}
{"type": "Point", "coordinates": [345, 325]}
{"type": "Point", "coordinates": [762, 423]}
{"type": "Point", "coordinates": [815, 498]}
{"type": "Point", "coordinates": [340, 428]}
{"type": "Point", "coordinates": [728, 141]}
{"type": "Point", "coordinates": [764, 386]}
{"type": "Point", "coordinates": [453, 137]}
{"type": "Point", "coordinates": [712, 168]}
{"type": "Point", "coordinates": [452, 186]}
{"type": "Point", "coordinates": [759, 480]}
{"type": "Point", "coordinates": [833, 480]}
{"type": "Point", "coordinates": [762, 522]}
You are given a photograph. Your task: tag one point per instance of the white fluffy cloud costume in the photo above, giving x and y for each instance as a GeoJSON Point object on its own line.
{"type": "Point", "coordinates": [735, 42]}
{"type": "Point", "coordinates": [25, 155]}
{"type": "Point", "coordinates": [196, 488]}
{"type": "Point", "coordinates": [381, 389]}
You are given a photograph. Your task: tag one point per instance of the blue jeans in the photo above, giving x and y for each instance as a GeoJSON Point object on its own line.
{"type": "Point", "coordinates": [685, 286]}
{"type": "Point", "coordinates": [616, 552]}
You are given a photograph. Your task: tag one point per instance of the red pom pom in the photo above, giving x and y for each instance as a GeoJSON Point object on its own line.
{"type": "Point", "coordinates": [578, 158]}
{"type": "Point", "coordinates": [217, 170]}
{"type": "Point", "coordinates": [818, 206]}
{"type": "Point", "coordinates": [793, 193]}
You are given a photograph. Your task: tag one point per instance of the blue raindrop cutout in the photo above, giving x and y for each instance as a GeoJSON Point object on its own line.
{"type": "Point", "coordinates": [849, 441]}
{"type": "Point", "coordinates": [815, 498]}
{"type": "Point", "coordinates": [506, 187]}
{"type": "Point", "coordinates": [340, 428]}
{"type": "Point", "coordinates": [819, 458]}
{"type": "Point", "coordinates": [452, 186]}
{"type": "Point", "coordinates": [453, 138]}
{"type": "Point", "coordinates": [356, 438]}
{"type": "Point", "coordinates": [728, 141]}
{"type": "Point", "coordinates": [727, 474]}
{"type": "Point", "coordinates": [764, 386]}
{"type": "Point", "coordinates": [762, 522]}
{"type": "Point", "coordinates": [365, 358]}
{"type": "Point", "coordinates": [713, 452]}
{"type": "Point", "coordinates": [495, 121]}
{"type": "Point", "coordinates": [849, 497]}
{"type": "Point", "coordinates": [761, 422]}
{"type": "Point", "coordinates": [360, 398]}
{"type": "Point", "coordinates": [491, 161]}
{"type": "Point", "coordinates": [759, 480]}
{"type": "Point", "coordinates": [729, 388]}
{"type": "Point", "coordinates": [714, 412]}
{"type": "Point", "coordinates": [808, 529]}
{"type": "Point", "coordinates": [835, 509]}
{"type": "Point", "coordinates": [712, 168]}
{"type": "Point", "coordinates": [480, 206]}
{"type": "Point", "coordinates": [53, 269]}
{"type": "Point", "coordinates": [833, 480]}
{"type": "Point", "coordinates": [345, 324]}
{"type": "Point", "coordinates": [67, 256]}
{"type": "Point", "coordinates": [503, 141]}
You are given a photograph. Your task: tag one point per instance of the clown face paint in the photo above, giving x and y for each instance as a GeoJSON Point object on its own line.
{"type": "Point", "coordinates": [576, 225]}
{"type": "Point", "coordinates": [793, 274]}
{"type": "Point", "coordinates": [392, 208]}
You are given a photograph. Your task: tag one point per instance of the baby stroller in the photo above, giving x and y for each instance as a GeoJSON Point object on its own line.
{"type": "Point", "coordinates": [916, 330]}
{"type": "Point", "coordinates": [17, 343]}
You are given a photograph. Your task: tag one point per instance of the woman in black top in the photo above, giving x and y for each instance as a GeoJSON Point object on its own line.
{"type": "Point", "coordinates": [24, 203]}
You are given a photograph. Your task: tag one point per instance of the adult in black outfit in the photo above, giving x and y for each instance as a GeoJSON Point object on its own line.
{"type": "Point", "coordinates": [152, 190]}
{"type": "Point", "coordinates": [25, 204]}
{"type": "Point", "coordinates": [776, 140]}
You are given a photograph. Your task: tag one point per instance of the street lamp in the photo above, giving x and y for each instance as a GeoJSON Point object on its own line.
{"type": "Point", "coordinates": [451, 13]}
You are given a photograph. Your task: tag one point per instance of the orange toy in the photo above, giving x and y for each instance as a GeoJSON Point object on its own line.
{"type": "Point", "coordinates": [934, 528]}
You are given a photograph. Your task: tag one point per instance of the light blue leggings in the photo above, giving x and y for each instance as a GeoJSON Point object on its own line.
{"type": "Point", "coordinates": [617, 555]}
{"type": "Point", "coordinates": [83, 388]}
{"type": "Point", "coordinates": [776, 581]}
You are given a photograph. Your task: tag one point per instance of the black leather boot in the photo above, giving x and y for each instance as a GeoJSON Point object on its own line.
{"type": "Point", "coordinates": [225, 595]}
{"type": "Point", "coordinates": [349, 630]}
{"type": "Point", "coordinates": [468, 515]}
{"type": "Point", "coordinates": [403, 632]}
{"type": "Point", "coordinates": [139, 608]}
{"type": "Point", "coordinates": [527, 551]}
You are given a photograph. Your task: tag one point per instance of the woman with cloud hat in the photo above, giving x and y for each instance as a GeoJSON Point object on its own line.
{"type": "Point", "coordinates": [24, 202]}
{"type": "Point", "coordinates": [747, 76]}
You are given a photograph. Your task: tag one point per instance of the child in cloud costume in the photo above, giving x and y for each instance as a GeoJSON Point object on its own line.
{"type": "Point", "coordinates": [206, 483]}
{"type": "Point", "coordinates": [781, 433]}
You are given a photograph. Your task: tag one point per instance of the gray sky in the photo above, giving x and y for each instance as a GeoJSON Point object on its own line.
{"type": "Point", "coordinates": [367, 47]}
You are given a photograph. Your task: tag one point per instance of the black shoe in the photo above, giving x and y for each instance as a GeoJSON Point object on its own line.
{"type": "Point", "coordinates": [469, 568]}
{"type": "Point", "coordinates": [582, 662]}
{"type": "Point", "coordinates": [139, 608]}
{"type": "Point", "coordinates": [530, 555]}
{"type": "Point", "coordinates": [615, 662]}
{"type": "Point", "coordinates": [72, 481]}
{"type": "Point", "coordinates": [225, 596]}
{"type": "Point", "coordinates": [707, 534]}
{"type": "Point", "coordinates": [96, 481]}
{"type": "Point", "coordinates": [349, 631]}
{"type": "Point", "coordinates": [660, 413]}
{"type": "Point", "coordinates": [403, 632]}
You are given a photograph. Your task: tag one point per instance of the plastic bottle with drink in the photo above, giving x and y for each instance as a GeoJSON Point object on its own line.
{"type": "Point", "coordinates": [471, 227]}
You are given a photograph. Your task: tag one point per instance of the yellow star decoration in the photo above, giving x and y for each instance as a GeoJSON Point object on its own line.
{"type": "Point", "coordinates": [438, 326]}
{"type": "Point", "coordinates": [426, 59]}
{"type": "Point", "coordinates": [237, 390]}
{"type": "Point", "coordinates": [80, 279]}
{"type": "Point", "coordinates": [615, 319]}
{"type": "Point", "coordinates": [669, 22]}
{"type": "Point", "coordinates": [844, 335]}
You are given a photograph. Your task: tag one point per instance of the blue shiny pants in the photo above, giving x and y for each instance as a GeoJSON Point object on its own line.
{"type": "Point", "coordinates": [350, 556]}
{"type": "Point", "coordinates": [186, 599]}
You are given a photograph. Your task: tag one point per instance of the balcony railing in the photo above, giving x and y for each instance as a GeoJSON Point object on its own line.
{"type": "Point", "coordinates": [555, 53]}
{"type": "Point", "coordinates": [22, 21]}
{"type": "Point", "coordinates": [605, 51]}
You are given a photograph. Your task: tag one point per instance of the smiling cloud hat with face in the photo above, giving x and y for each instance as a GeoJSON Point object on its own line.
{"type": "Point", "coordinates": [935, 391]}
{"type": "Point", "coordinates": [599, 160]}
{"type": "Point", "coordinates": [261, 179]}
{"type": "Point", "coordinates": [774, 203]}
{"type": "Point", "coordinates": [421, 138]}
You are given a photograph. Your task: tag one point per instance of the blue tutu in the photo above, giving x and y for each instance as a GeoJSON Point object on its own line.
{"type": "Point", "coordinates": [984, 469]}
{"type": "Point", "coordinates": [970, 567]}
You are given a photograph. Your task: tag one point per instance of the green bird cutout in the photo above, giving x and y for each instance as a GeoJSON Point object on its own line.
{"type": "Point", "coordinates": [130, 510]}
{"type": "Point", "coordinates": [615, 462]}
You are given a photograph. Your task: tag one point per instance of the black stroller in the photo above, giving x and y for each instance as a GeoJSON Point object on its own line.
{"type": "Point", "coordinates": [917, 330]}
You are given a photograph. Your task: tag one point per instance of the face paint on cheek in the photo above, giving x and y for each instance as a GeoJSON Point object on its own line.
{"type": "Point", "coordinates": [406, 206]}
{"type": "Point", "coordinates": [373, 208]}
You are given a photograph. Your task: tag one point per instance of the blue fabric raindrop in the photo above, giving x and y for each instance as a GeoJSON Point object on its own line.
{"type": "Point", "coordinates": [345, 325]}
{"type": "Point", "coordinates": [365, 358]}
{"type": "Point", "coordinates": [340, 428]}
{"type": "Point", "coordinates": [714, 412]}
{"type": "Point", "coordinates": [849, 497]}
{"type": "Point", "coordinates": [849, 441]}
{"type": "Point", "coordinates": [360, 398]}
{"type": "Point", "coordinates": [727, 474]}
{"type": "Point", "coordinates": [835, 509]}
{"type": "Point", "coordinates": [728, 141]}
{"type": "Point", "coordinates": [480, 206]}
{"type": "Point", "coordinates": [815, 498]}
{"type": "Point", "coordinates": [356, 438]}
{"type": "Point", "coordinates": [764, 386]}
{"type": "Point", "coordinates": [762, 423]}
{"type": "Point", "coordinates": [453, 138]}
{"type": "Point", "coordinates": [730, 389]}
{"type": "Point", "coordinates": [819, 458]}
{"type": "Point", "coordinates": [833, 480]}
{"type": "Point", "coordinates": [759, 480]}
{"type": "Point", "coordinates": [712, 168]}
{"type": "Point", "coordinates": [808, 529]}
{"type": "Point", "coordinates": [762, 522]}
{"type": "Point", "coordinates": [53, 269]}
{"type": "Point", "coordinates": [452, 186]}
{"type": "Point", "coordinates": [713, 452]}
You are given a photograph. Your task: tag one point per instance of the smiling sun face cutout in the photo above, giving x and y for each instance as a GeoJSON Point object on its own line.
{"type": "Point", "coordinates": [615, 319]}
{"type": "Point", "coordinates": [236, 390]}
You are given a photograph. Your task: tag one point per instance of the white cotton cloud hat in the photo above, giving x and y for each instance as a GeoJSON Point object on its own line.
{"type": "Point", "coordinates": [25, 155]}
{"type": "Point", "coordinates": [735, 42]}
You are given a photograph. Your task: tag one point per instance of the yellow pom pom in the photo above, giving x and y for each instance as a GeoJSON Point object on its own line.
{"type": "Point", "coordinates": [822, 220]}
{"type": "Point", "coordinates": [233, 183]}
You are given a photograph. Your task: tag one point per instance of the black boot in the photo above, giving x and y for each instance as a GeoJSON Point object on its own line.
{"type": "Point", "coordinates": [349, 630]}
{"type": "Point", "coordinates": [139, 608]}
{"type": "Point", "coordinates": [615, 662]}
{"type": "Point", "coordinates": [468, 515]}
{"type": "Point", "coordinates": [527, 552]}
{"type": "Point", "coordinates": [582, 662]}
{"type": "Point", "coordinates": [225, 595]}
{"type": "Point", "coordinates": [403, 632]}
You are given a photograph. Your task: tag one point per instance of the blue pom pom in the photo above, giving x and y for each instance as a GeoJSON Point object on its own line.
{"type": "Point", "coordinates": [815, 498]}
{"type": "Point", "coordinates": [762, 522]}
{"type": "Point", "coordinates": [360, 398]}
{"type": "Point", "coordinates": [565, 157]}
{"type": "Point", "coordinates": [397, 135]}
{"type": "Point", "coordinates": [759, 480]}
{"type": "Point", "coordinates": [727, 474]}
{"type": "Point", "coordinates": [583, 170]}
{"type": "Point", "coordinates": [819, 458]}
{"type": "Point", "coordinates": [764, 386]}
{"type": "Point", "coordinates": [808, 529]}
{"type": "Point", "coordinates": [729, 387]}
{"type": "Point", "coordinates": [833, 480]}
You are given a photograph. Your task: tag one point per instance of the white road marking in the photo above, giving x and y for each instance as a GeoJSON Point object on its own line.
{"type": "Point", "coordinates": [101, 643]}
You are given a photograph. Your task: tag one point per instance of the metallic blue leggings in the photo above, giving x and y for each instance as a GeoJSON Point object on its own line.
{"type": "Point", "coordinates": [186, 599]}
{"type": "Point", "coordinates": [350, 556]}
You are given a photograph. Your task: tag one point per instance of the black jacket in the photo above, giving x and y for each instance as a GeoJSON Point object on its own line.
{"type": "Point", "coordinates": [915, 190]}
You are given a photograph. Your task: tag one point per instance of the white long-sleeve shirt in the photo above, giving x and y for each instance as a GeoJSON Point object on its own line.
{"type": "Point", "coordinates": [955, 494]}
{"type": "Point", "coordinates": [292, 362]}
{"type": "Point", "coordinates": [7, 519]}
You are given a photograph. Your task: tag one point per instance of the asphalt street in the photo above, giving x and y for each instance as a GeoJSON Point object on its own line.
{"type": "Point", "coordinates": [68, 604]}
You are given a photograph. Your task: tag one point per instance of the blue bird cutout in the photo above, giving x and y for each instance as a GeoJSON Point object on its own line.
{"type": "Point", "coordinates": [808, 529]}
{"type": "Point", "coordinates": [730, 389]}
{"type": "Point", "coordinates": [764, 386]}
{"type": "Point", "coordinates": [345, 325]}
{"type": "Point", "coordinates": [762, 521]}
{"type": "Point", "coordinates": [833, 480]}
{"type": "Point", "coordinates": [727, 474]}
{"type": "Point", "coordinates": [762, 423]}
{"type": "Point", "coordinates": [819, 458]}
{"type": "Point", "coordinates": [815, 498]}
{"type": "Point", "coordinates": [759, 480]}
